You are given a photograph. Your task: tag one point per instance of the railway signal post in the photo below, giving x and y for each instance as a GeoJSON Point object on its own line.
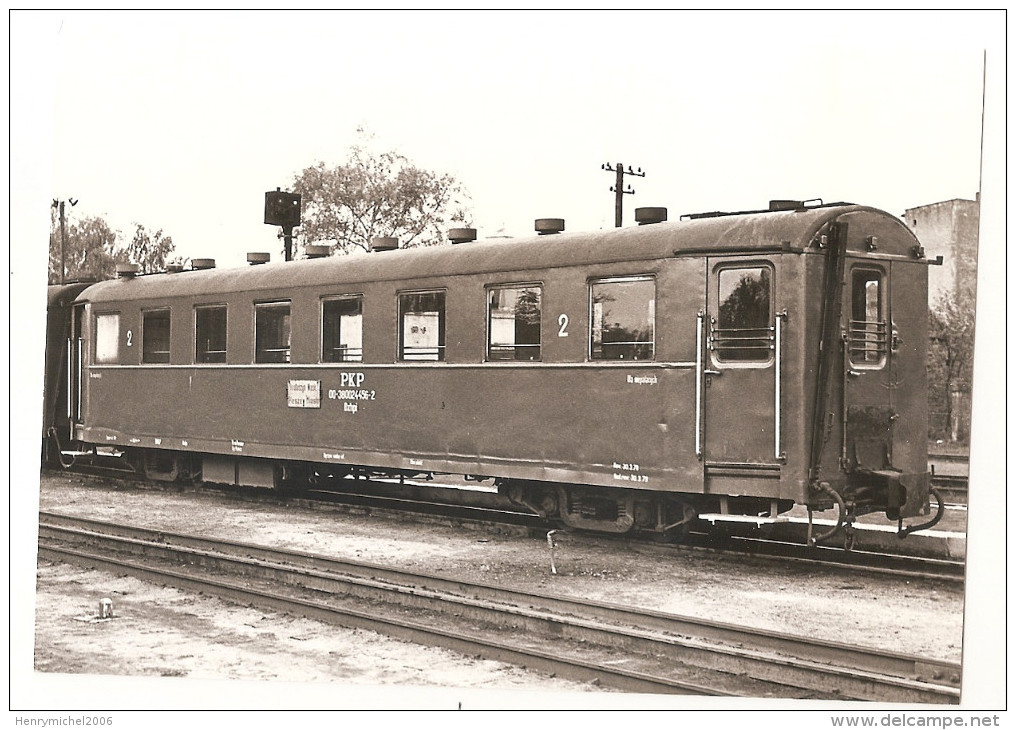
{"type": "Point", "coordinates": [283, 209]}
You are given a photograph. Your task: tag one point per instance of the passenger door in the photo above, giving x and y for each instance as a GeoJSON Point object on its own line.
{"type": "Point", "coordinates": [740, 366]}
{"type": "Point", "coordinates": [868, 387]}
{"type": "Point", "coordinates": [75, 365]}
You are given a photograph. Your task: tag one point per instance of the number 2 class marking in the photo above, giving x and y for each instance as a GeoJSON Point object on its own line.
{"type": "Point", "coordinates": [130, 337]}
{"type": "Point", "coordinates": [563, 321]}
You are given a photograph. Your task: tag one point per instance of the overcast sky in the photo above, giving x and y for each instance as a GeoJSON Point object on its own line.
{"type": "Point", "coordinates": [182, 121]}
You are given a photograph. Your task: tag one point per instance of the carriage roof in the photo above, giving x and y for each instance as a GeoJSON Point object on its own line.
{"type": "Point", "coordinates": [789, 230]}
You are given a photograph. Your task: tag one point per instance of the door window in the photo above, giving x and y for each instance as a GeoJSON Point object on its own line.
{"type": "Point", "coordinates": [867, 334]}
{"type": "Point", "coordinates": [742, 329]}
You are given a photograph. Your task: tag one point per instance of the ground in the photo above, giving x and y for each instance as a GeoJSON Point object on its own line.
{"type": "Point", "coordinates": [164, 632]}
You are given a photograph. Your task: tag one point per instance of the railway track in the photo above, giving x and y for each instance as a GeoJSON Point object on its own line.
{"type": "Point", "coordinates": [487, 509]}
{"type": "Point", "coordinates": [902, 566]}
{"type": "Point", "coordinates": [621, 647]}
{"type": "Point", "coordinates": [952, 486]}
{"type": "Point", "coordinates": [858, 560]}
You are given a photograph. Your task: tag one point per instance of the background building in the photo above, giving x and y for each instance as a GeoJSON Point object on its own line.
{"type": "Point", "coordinates": [950, 229]}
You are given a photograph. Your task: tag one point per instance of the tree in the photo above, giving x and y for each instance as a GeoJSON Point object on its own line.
{"type": "Point", "coordinates": [377, 195]}
{"type": "Point", "coordinates": [149, 250]}
{"type": "Point", "coordinates": [950, 363]}
{"type": "Point", "coordinates": [93, 249]}
{"type": "Point", "coordinates": [90, 250]}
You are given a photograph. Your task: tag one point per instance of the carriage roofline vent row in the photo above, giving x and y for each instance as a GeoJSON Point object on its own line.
{"type": "Point", "coordinates": [543, 226]}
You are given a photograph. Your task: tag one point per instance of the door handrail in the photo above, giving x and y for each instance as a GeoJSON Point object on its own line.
{"type": "Point", "coordinates": [80, 349]}
{"type": "Point", "coordinates": [699, 328]}
{"type": "Point", "coordinates": [70, 378]}
{"type": "Point", "coordinates": [781, 456]}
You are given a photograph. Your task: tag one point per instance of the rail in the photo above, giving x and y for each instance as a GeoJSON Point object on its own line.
{"type": "Point", "coordinates": [662, 652]}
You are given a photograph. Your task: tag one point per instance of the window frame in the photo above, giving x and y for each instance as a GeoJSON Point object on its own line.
{"type": "Point", "coordinates": [620, 279]}
{"type": "Point", "coordinates": [442, 353]}
{"type": "Point", "coordinates": [145, 336]}
{"type": "Point", "coordinates": [264, 306]}
{"type": "Point", "coordinates": [487, 290]}
{"type": "Point", "coordinates": [115, 360]}
{"type": "Point", "coordinates": [715, 351]}
{"type": "Point", "coordinates": [358, 297]}
{"type": "Point", "coordinates": [883, 321]}
{"type": "Point", "coordinates": [225, 334]}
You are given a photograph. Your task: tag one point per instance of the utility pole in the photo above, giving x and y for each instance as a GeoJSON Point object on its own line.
{"type": "Point", "coordinates": [618, 188]}
{"type": "Point", "coordinates": [59, 205]}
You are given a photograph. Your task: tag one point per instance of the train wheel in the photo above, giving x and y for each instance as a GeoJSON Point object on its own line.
{"type": "Point", "coordinates": [685, 514]}
{"type": "Point", "coordinates": [161, 466]}
{"type": "Point", "coordinates": [542, 501]}
{"type": "Point", "coordinates": [596, 510]}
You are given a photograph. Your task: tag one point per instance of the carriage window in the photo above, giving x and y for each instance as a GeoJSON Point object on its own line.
{"type": "Point", "coordinates": [271, 332]}
{"type": "Point", "coordinates": [742, 331]}
{"type": "Point", "coordinates": [422, 326]}
{"type": "Point", "coordinates": [342, 329]}
{"type": "Point", "coordinates": [107, 338]}
{"type": "Point", "coordinates": [622, 319]}
{"type": "Point", "coordinates": [155, 336]}
{"type": "Point", "coordinates": [868, 341]}
{"type": "Point", "coordinates": [513, 323]}
{"type": "Point", "coordinates": [210, 334]}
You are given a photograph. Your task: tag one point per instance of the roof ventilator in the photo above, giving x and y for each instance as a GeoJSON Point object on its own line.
{"type": "Point", "coordinates": [549, 226]}
{"type": "Point", "coordinates": [462, 235]}
{"type": "Point", "coordinates": [775, 205]}
{"type": "Point", "coordinates": [256, 257]}
{"type": "Point", "coordinates": [199, 264]}
{"type": "Point", "coordinates": [648, 216]}
{"type": "Point", "coordinates": [317, 251]}
{"type": "Point", "coordinates": [127, 271]}
{"type": "Point", "coordinates": [384, 243]}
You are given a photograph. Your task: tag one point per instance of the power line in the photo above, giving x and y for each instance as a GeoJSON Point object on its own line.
{"type": "Point", "coordinates": [618, 188]}
{"type": "Point", "coordinates": [59, 205]}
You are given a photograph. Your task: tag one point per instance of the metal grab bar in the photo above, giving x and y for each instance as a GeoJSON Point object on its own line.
{"type": "Point", "coordinates": [70, 378]}
{"type": "Point", "coordinates": [77, 399]}
{"type": "Point", "coordinates": [780, 317]}
{"type": "Point", "coordinates": [698, 384]}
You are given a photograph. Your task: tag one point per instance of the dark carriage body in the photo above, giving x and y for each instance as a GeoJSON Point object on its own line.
{"type": "Point", "coordinates": [781, 361]}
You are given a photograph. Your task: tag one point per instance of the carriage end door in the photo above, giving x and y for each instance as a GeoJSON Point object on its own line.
{"type": "Point", "coordinates": [740, 366]}
{"type": "Point", "coordinates": [869, 393]}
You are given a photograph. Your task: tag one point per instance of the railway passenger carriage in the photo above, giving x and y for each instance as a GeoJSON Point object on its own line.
{"type": "Point", "coordinates": [633, 378]}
